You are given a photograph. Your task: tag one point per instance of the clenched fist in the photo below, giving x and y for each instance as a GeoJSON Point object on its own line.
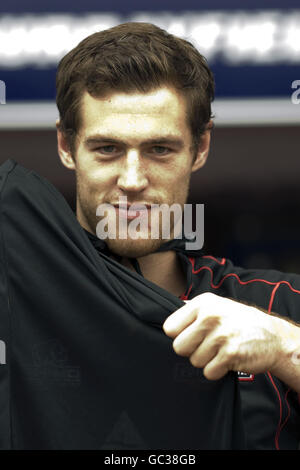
{"type": "Point", "coordinates": [220, 334]}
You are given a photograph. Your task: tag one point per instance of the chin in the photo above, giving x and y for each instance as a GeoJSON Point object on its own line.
{"type": "Point", "coordinates": [133, 248]}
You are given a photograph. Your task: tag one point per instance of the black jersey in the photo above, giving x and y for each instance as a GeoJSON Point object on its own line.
{"type": "Point", "coordinates": [87, 364]}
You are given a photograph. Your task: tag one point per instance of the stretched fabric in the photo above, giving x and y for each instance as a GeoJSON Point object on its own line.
{"type": "Point", "coordinates": [87, 364]}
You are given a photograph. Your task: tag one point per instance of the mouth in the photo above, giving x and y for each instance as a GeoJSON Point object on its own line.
{"type": "Point", "coordinates": [132, 211]}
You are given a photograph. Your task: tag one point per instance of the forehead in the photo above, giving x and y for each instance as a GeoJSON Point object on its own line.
{"type": "Point", "coordinates": [140, 114]}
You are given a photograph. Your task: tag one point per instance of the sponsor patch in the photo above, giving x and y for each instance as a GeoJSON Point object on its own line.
{"type": "Point", "coordinates": [245, 377]}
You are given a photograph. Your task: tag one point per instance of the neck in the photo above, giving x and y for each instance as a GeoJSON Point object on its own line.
{"type": "Point", "coordinates": [162, 268]}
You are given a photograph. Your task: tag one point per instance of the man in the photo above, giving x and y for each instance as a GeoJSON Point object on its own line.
{"type": "Point", "coordinates": [135, 121]}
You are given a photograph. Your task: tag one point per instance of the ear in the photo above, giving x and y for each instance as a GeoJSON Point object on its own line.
{"type": "Point", "coordinates": [63, 149]}
{"type": "Point", "coordinates": [203, 148]}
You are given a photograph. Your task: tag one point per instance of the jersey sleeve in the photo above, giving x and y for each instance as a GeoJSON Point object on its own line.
{"type": "Point", "coordinates": [269, 289]}
{"type": "Point", "coordinates": [286, 297]}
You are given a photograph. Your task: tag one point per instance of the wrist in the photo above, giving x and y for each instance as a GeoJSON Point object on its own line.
{"type": "Point", "coordinates": [288, 336]}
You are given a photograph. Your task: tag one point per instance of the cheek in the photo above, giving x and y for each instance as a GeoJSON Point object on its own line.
{"type": "Point", "coordinates": [181, 186]}
{"type": "Point", "coordinates": [176, 186]}
{"type": "Point", "coordinates": [92, 181]}
{"type": "Point", "coordinates": [177, 172]}
{"type": "Point", "coordinates": [180, 174]}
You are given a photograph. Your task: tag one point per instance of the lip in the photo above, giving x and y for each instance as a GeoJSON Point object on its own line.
{"type": "Point", "coordinates": [125, 213]}
{"type": "Point", "coordinates": [136, 205]}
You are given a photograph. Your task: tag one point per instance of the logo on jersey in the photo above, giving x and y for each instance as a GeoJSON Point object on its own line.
{"type": "Point", "coordinates": [52, 365]}
{"type": "Point", "coordinates": [245, 377]}
{"type": "Point", "coordinates": [124, 435]}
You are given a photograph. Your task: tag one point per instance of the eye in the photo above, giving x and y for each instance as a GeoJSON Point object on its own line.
{"type": "Point", "coordinates": [160, 150]}
{"type": "Point", "coordinates": [107, 149]}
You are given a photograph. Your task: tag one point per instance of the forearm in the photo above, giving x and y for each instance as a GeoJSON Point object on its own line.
{"type": "Point", "coordinates": [287, 365]}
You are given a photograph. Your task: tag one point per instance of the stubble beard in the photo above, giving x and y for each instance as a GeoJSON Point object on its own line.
{"type": "Point", "coordinates": [133, 248]}
{"type": "Point", "coordinates": [129, 247]}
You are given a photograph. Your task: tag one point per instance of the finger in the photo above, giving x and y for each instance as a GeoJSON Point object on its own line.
{"type": "Point", "coordinates": [204, 353]}
{"type": "Point", "coordinates": [216, 368]}
{"type": "Point", "coordinates": [189, 339]}
{"type": "Point", "coordinates": [180, 319]}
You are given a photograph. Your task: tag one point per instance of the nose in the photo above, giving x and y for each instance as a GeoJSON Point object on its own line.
{"type": "Point", "coordinates": [132, 175]}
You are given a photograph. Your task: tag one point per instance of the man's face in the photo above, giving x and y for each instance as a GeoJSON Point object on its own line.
{"type": "Point", "coordinates": [134, 145]}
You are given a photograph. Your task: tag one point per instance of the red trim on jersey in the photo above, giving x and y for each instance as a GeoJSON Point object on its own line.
{"type": "Point", "coordinates": [292, 288]}
{"type": "Point", "coordinates": [223, 261]}
{"type": "Point", "coordinates": [280, 412]}
{"type": "Point", "coordinates": [289, 410]}
{"type": "Point", "coordinates": [192, 261]}
{"type": "Point", "coordinates": [231, 274]}
{"type": "Point", "coordinates": [272, 296]}
{"type": "Point", "coordinates": [185, 297]}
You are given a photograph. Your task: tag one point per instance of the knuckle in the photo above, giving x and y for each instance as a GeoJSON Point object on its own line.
{"type": "Point", "coordinates": [231, 355]}
{"type": "Point", "coordinates": [211, 322]}
{"type": "Point", "coordinates": [208, 296]}
{"type": "Point", "coordinates": [220, 341]}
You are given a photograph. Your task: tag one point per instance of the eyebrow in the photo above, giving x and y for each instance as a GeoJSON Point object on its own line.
{"type": "Point", "coordinates": [166, 140]}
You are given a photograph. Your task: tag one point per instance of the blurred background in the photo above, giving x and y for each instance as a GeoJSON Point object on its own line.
{"type": "Point", "coordinates": [250, 184]}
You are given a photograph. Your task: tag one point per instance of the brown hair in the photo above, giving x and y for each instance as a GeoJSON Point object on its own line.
{"type": "Point", "coordinates": [133, 57]}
